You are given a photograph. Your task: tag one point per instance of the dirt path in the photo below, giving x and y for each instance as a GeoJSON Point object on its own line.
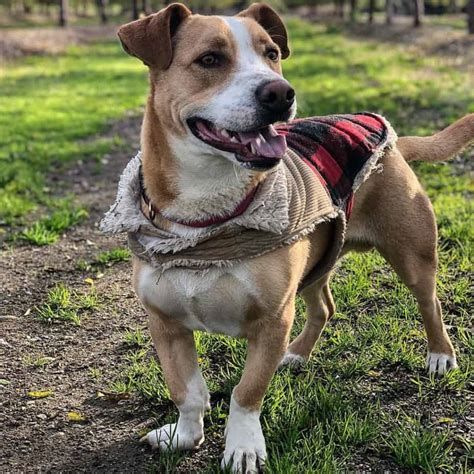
{"type": "Point", "coordinates": [37, 434]}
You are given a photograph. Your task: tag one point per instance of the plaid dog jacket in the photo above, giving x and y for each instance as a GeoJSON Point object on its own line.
{"type": "Point", "coordinates": [327, 159]}
{"type": "Point", "coordinates": [336, 148]}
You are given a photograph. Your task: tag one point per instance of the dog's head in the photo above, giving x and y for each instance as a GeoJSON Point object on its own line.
{"type": "Point", "coordinates": [216, 82]}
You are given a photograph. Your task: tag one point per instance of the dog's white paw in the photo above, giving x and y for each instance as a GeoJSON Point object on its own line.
{"type": "Point", "coordinates": [439, 363]}
{"type": "Point", "coordinates": [293, 361]}
{"type": "Point", "coordinates": [245, 451]}
{"type": "Point", "coordinates": [172, 437]}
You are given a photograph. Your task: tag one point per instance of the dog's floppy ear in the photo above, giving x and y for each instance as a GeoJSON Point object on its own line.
{"type": "Point", "coordinates": [149, 38]}
{"type": "Point", "coordinates": [271, 22]}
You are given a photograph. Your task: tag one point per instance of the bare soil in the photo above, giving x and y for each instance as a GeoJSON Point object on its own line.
{"type": "Point", "coordinates": [37, 432]}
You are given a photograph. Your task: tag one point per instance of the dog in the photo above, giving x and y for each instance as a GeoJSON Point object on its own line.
{"type": "Point", "coordinates": [216, 86]}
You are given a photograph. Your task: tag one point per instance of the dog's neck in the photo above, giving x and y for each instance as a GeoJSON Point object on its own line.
{"type": "Point", "coordinates": [185, 183]}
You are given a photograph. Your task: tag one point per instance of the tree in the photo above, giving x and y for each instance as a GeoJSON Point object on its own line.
{"type": "Point", "coordinates": [339, 8]}
{"type": "Point", "coordinates": [62, 12]}
{"type": "Point", "coordinates": [470, 16]}
{"type": "Point", "coordinates": [101, 6]}
{"type": "Point", "coordinates": [135, 13]}
{"type": "Point", "coordinates": [389, 11]}
{"type": "Point", "coordinates": [419, 12]}
{"type": "Point", "coordinates": [371, 11]}
{"type": "Point", "coordinates": [353, 14]}
{"type": "Point", "coordinates": [146, 7]}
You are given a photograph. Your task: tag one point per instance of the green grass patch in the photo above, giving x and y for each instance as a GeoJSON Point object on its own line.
{"type": "Point", "coordinates": [106, 259]}
{"type": "Point", "coordinates": [49, 104]}
{"type": "Point", "coordinates": [418, 448]}
{"type": "Point", "coordinates": [110, 257]}
{"type": "Point", "coordinates": [48, 229]}
{"type": "Point", "coordinates": [65, 305]}
{"type": "Point", "coordinates": [136, 338]}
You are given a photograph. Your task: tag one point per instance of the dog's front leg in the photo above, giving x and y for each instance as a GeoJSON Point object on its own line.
{"type": "Point", "coordinates": [177, 353]}
{"type": "Point", "coordinates": [245, 450]}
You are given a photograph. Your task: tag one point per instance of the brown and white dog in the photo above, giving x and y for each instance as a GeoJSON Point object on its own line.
{"type": "Point", "coordinates": [213, 78]}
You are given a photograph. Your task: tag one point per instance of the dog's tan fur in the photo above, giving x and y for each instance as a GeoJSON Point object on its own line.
{"type": "Point", "coordinates": [391, 213]}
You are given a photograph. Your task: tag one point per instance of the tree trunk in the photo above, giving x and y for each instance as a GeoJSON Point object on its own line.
{"type": "Point", "coordinates": [26, 8]}
{"type": "Point", "coordinates": [470, 17]}
{"type": "Point", "coordinates": [389, 11]}
{"type": "Point", "coordinates": [371, 11]}
{"type": "Point", "coordinates": [101, 6]}
{"type": "Point", "coordinates": [339, 8]}
{"type": "Point", "coordinates": [62, 12]}
{"type": "Point", "coordinates": [419, 12]}
{"type": "Point", "coordinates": [353, 4]}
{"type": "Point", "coordinates": [135, 13]}
{"type": "Point", "coordinates": [340, 4]}
{"type": "Point", "coordinates": [146, 7]}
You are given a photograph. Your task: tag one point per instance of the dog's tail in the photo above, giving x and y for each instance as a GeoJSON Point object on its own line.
{"type": "Point", "coordinates": [440, 146]}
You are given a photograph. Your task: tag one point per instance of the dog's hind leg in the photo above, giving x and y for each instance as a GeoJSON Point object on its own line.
{"type": "Point", "coordinates": [320, 308]}
{"type": "Point", "coordinates": [417, 269]}
{"type": "Point", "coordinates": [393, 213]}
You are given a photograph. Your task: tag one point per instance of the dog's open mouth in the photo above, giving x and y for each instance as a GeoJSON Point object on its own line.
{"type": "Point", "coordinates": [256, 149]}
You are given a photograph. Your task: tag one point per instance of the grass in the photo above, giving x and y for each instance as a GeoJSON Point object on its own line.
{"type": "Point", "coordinates": [364, 398]}
{"type": "Point", "coordinates": [65, 305]}
{"type": "Point", "coordinates": [136, 338]}
{"type": "Point", "coordinates": [106, 259]}
{"type": "Point", "coordinates": [418, 448]}
{"type": "Point", "coordinates": [116, 255]}
{"type": "Point", "coordinates": [48, 229]}
{"type": "Point", "coordinates": [49, 106]}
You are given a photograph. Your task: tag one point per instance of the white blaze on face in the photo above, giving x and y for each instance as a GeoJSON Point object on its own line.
{"type": "Point", "coordinates": [235, 107]}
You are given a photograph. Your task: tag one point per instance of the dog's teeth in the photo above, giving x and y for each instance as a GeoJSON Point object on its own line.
{"type": "Point", "coordinates": [253, 148]}
{"type": "Point", "coordinates": [271, 131]}
{"type": "Point", "coordinates": [224, 133]}
{"type": "Point", "coordinates": [234, 140]}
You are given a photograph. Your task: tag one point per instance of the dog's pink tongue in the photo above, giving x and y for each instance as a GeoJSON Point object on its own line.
{"type": "Point", "coordinates": [265, 142]}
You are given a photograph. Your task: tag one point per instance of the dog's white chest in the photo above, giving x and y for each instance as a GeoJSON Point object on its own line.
{"type": "Point", "coordinates": [216, 301]}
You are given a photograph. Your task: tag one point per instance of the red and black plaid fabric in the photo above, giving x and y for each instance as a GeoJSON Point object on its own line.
{"type": "Point", "coordinates": [336, 147]}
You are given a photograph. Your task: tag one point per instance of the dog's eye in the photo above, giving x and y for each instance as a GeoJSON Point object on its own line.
{"type": "Point", "coordinates": [209, 60]}
{"type": "Point", "coordinates": [272, 54]}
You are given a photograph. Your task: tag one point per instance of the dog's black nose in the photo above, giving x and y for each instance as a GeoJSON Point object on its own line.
{"type": "Point", "coordinates": [275, 96]}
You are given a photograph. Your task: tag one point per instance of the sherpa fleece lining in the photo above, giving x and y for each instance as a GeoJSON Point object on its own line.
{"type": "Point", "coordinates": [289, 205]}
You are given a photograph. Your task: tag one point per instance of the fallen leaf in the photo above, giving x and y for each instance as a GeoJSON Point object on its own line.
{"type": "Point", "coordinates": [445, 420]}
{"type": "Point", "coordinates": [76, 417]}
{"type": "Point", "coordinates": [4, 343]}
{"type": "Point", "coordinates": [40, 393]}
{"type": "Point", "coordinates": [114, 396]}
{"type": "Point", "coordinates": [5, 382]}
{"type": "Point", "coordinates": [89, 281]}
{"type": "Point", "coordinates": [374, 373]}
